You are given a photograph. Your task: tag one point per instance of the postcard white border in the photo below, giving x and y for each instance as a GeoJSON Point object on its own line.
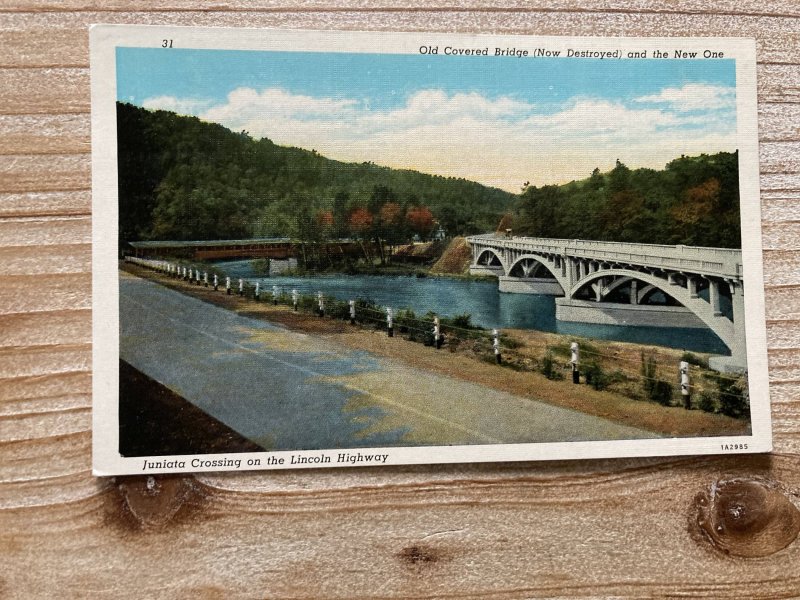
{"type": "Point", "coordinates": [104, 39]}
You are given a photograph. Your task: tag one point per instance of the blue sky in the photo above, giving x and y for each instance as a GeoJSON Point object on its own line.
{"type": "Point", "coordinates": [543, 120]}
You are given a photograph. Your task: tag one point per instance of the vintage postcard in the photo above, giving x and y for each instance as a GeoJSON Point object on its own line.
{"type": "Point", "coordinates": [334, 249]}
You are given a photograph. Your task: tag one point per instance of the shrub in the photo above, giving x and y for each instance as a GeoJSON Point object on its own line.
{"type": "Point", "coordinates": [260, 266]}
{"type": "Point", "coordinates": [734, 400]}
{"type": "Point", "coordinates": [406, 322]}
{"type": "Point", "coordinates": [306, 302]}
{"type": "Point", "coordinates": [695, 360]}
{"type": "Point", "coordinates": [662, 393]}
{"type": "Point", "coordinates": [369, 312]}
{"type": "Point", "coordinates": [463, 321]}
{"type": "Point", "coordinates": [337, 309]}
{"type": "Point", "coordinates": [460, 326]}
{"type": "Point", "coordinates": [595, 376]}
{"type": "Point", "coordinates": [548, 367]}
{"type": "Point", "coordinates": [655, 389]}
{"type": "Point", "coordinates": [706, 402]}
{"type": "Point", "coordinates": [509, 342]}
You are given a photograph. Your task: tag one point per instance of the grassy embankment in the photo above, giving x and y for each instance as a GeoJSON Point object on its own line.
{"type": "Point", "coordinates": [469, 358]}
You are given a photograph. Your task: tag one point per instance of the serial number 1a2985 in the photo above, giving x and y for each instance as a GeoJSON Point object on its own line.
{"type": "Point", "coordinates": [733, 446]}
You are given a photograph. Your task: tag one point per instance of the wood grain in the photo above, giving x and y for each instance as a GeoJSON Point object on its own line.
{"type": "Point", "coordinates": [567, 529]}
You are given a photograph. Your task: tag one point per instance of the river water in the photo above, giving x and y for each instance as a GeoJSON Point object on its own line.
{"type": "Point", "coordinates": [481, 300]}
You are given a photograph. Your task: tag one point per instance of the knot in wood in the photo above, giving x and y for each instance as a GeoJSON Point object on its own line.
{"type": "Point", "coordinates": [746, 517]}
{"type": "Point", "coordinates": [417, 555]}
{"type": "Point", "coordinates": [152, 501]}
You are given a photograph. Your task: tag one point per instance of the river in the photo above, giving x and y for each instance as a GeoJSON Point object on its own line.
{"type": "Point", "coordinates": [481, 300]}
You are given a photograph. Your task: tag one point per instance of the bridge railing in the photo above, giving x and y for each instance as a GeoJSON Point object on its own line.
{"type": "Point", "coordinates": [723, 262]}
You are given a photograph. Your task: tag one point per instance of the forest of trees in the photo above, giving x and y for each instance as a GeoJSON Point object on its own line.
{"type": "Point", "coordinates": [693, 201]}
{"type": "Point", "coordinates": [184, 179]}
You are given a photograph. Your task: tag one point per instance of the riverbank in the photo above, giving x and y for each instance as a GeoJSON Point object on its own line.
{"type": "Point", "coordinates": [464, 362]}
{"type": "Point", "coordinates": [420, 259]}
{"type": "Point", "coordinates": [391, 269]}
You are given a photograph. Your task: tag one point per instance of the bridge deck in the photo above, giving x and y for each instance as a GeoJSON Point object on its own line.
{"type": "Point", "coordinates": [277, 248]}
{"type": "Point", "coordinates": [720, 262]}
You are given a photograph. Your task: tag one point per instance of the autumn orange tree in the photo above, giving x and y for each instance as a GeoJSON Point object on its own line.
{"type": "Point", "coordinates": [359, 223]}
{"type": "Point", "coordinates": [420, 220]}
{"type": "Point", "coordinates": [392, 225]}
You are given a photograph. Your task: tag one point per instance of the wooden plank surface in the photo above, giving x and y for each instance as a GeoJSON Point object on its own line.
{"type": "Point", "coordinates": [646, 527]}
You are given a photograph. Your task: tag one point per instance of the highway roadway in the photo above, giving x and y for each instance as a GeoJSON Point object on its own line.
{"type": "Point", "coordinates": [286, 390]}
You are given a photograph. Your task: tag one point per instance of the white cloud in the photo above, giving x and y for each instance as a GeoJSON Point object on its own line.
{"type": "Point", "coordinates": [246, 104]}
{"type": "Point", "coordinates": [181, 106]}
{"type": "Point", "coordinates": [501, 142]}
{"type": "Point", "coordinates": [694, 96]}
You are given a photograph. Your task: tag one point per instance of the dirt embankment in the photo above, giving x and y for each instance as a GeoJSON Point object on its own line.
{"type": "Point", "coordinates": [458, 362]}
{"type": "Point", "coordinates": [455, 259]}
{"type": "Point", "coordinates": [155, 421]}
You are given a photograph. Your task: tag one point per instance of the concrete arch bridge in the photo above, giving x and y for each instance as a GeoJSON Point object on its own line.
{"type": "Point", "coordinates": [625, 283]}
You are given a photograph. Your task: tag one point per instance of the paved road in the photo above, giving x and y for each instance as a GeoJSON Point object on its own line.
{"type": "Point", "coordinates": [286, 390]}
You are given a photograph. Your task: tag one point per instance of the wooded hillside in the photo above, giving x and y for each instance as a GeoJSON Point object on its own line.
{"type": "Point", "coordinates": [693, 201]}
{"type": "Point", "coordinates": [182, 178]}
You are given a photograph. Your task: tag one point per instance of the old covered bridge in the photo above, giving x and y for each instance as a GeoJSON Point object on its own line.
{"type": "Point", "coordinates": [625, 283]}
{"type": "Point", "coordinates": [274, 248]}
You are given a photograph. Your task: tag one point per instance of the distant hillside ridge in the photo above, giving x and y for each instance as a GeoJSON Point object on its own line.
{"type": "Point", "coordinates": [185, 179]}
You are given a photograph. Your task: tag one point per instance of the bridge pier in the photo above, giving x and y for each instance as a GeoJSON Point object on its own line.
{"type": "Point", "coordinates": [530, 285]}
{"type": "Point", "coordinates": [713, 296]}
{"type": "Point", "coordinates": [737, 362]}
{"type": "Point", "coordinates": [488, 270]}
{"type": "Point", "coordinates": [691, 282]}
{"type": "Point", "coordinates": [633, 315]}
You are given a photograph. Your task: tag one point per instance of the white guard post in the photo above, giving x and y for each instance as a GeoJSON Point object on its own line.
{"type": "Point", "coordinates": [575, 360]}
{"type": "Point", "coordinates": [686, 390]}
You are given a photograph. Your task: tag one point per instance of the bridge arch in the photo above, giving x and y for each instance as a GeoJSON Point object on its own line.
{"type": "Point", "coordinates": [545, 262]}
{"type": "Point", "coordinates": [720, 325]}
{"type": "Point", "coordinates": [486, 255]}
{"type": "Point", "coordinates": [620, 281]}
